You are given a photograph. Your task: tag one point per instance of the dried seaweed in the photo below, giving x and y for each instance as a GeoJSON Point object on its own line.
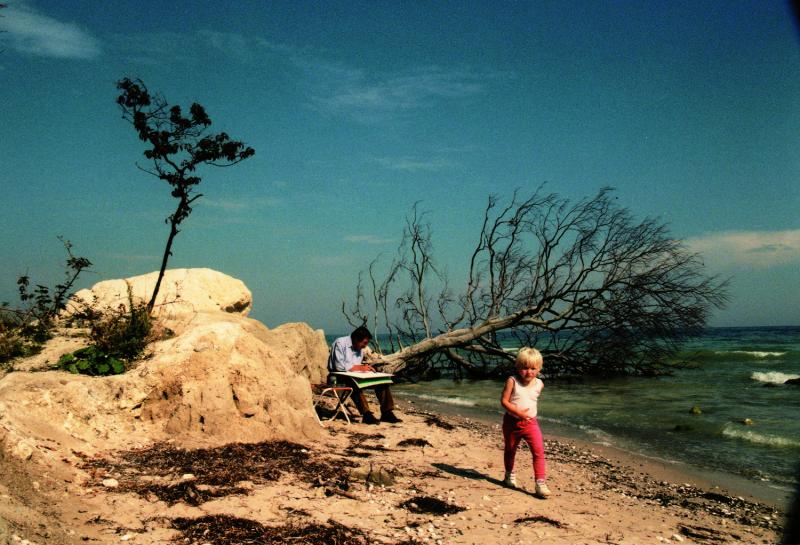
{"type": "Point", "coordinates": [292, 512]}
{"type": "Point", "coordinates": [372, 447]}
{"type": "Point", "coordinates": [701, 534]}
{"type": "Point", "coordinates": [357, 437]}
{"type": "Point", "coordinates": [414, 443]}
{"type": "Point", "coordinates": [541, 518]}
{"type": "Point", "coordinates": [353, 453]}
{"type": "Point", "coordinates": [427, 505]}
{"type": "Point", "coordinates": [188, 492]}
{"type": "Point", "coordinates": [227, 530]}
{"type": "Point", "coordinates": [358, 445]}
{"type": "Point", "coordinates": [215, 470]}
{"type": "Point", "coordinates": [433, 420]}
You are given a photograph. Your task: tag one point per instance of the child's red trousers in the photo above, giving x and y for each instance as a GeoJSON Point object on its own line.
{"type": "Point", "coordinates": [514, 430]}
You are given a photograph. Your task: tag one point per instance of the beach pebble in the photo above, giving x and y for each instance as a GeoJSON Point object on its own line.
{"type": "Point", "coordinates": [110, 483]}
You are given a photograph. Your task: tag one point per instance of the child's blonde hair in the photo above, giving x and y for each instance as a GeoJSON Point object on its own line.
{"type": "Point", "coordinates": [529, 358]}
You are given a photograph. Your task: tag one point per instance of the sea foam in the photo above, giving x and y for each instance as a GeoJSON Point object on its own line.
{"type": "Point", "coordinates": [737, 432]}
{"type": "Point", "coordinates": [448, 400]}
{"type": "Point", "coordinates": [757, 354]}
{"type": "Point", "coordinates": [772, 377]}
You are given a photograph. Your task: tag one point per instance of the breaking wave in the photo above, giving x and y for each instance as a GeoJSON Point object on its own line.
{"type": "Point", "coordinates": [773, 377]}
{"type": "Point", "coordinates": [740, 355]}
{"type": "Point", "coordinates": [757, 354]}
{"type": "Point", "coordinates": [759, 438]}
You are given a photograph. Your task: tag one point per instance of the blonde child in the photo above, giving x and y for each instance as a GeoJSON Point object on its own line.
{"type": "Point", "coordinates": [519, 399]}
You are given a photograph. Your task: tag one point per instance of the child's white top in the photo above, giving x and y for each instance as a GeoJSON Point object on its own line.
{"type": "Point", "coordinates": [526, 397]}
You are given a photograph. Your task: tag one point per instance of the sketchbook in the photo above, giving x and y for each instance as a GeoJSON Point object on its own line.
{"type": "Point", "coordinates": [367, 379]}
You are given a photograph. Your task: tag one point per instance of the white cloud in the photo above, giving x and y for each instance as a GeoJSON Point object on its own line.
{"type": "Point", "coordinates": [241, 204]}
{"type": "Point", "coordinates": [758, 249]}
{"type": "Point", "coordinates": [332, 88]}
{"type": "Point", "coordinates": [229, 44]}
{"type": "Point", "coordinates": [341, 90]}
{"type": "Point", "coordinates": [367, 239]}
{"type": "Point", "coordinates": [416, 165]}
{"type": "Point", "coordinates": [186, 48]}
{"type": "Point", "coordinates": [36, 34]}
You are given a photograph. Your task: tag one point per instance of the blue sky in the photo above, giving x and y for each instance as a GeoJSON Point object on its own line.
{"type": "Point", "coordinates": [358, 109]}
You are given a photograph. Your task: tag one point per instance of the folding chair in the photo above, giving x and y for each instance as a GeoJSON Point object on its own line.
{"type": "Point", "coordinates": [340, 393]}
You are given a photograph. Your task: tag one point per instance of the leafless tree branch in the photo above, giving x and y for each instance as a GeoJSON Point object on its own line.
{"type": "Point", "coordinates": [597, 290]}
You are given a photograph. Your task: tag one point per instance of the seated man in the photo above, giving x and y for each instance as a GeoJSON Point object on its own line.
{"type": "Point", "coordinates": [346, 356]}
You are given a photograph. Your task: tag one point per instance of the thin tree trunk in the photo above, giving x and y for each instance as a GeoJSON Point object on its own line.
{"type": "Point", "coordinates": [167, 252]}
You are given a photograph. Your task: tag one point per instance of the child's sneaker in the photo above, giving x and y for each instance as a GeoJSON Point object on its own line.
{"type": "Point", "coordinates": [511, 480]}
{"type": "Point", "coordinates": [541, 490]}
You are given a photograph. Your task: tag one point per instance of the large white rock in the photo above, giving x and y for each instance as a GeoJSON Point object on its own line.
{"type": "Point", "coordinates": [182, 291]}
{"type": "Point", "coordinates": [221, 378]}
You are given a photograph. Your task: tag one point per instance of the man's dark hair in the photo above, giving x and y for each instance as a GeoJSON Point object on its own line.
{"type": "Point", "coordinates": [360, 334]}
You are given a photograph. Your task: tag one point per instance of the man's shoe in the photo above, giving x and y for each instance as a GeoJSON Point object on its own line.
{"type": "Point", "coordinates": [541, 490]}
{"type": "Point", "coordinates": [369, 418]}
{"type": "Point", "coordinates": [390, 417]}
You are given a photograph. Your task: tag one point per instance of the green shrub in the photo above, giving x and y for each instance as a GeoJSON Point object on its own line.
{"type": "Point", "coordinates": [43, 304]}
{"type": "Point", "coordinates": [13, 343]}
{"type": "Point", "coordinates": [91, 361]}
{"type": "Point", "coordinates": [123, 334]}
{"type": "Point", "coordinates": [24, 329]}
{"type": "Point", "coordinates": [117, 338]}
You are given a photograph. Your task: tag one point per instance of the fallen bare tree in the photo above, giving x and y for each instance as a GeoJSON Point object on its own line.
{"type": "Point", "coordinates": [596, 290]}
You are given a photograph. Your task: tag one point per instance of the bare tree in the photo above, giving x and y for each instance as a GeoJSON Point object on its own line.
{"type": "Point", "coordinates": [177, 145]}
{"type": "Point", "coordinates": [593, 288]}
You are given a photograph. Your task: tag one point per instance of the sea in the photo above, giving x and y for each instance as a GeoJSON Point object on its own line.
{"type": "Point", "coordinates": [728, 413]}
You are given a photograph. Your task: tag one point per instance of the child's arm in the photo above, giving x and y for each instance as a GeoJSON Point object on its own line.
{"type": "Point", "coordinates": [505, 401]}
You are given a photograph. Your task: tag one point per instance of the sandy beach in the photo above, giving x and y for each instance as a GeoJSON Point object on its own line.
{"type": "Point", "coordinates": [211, 439]}
{"type": "Point", "coordinates": [431, 479]}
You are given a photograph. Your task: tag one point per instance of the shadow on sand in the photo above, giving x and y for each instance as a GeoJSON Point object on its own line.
{"type": "Point", "coordinates": [478, 476]}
